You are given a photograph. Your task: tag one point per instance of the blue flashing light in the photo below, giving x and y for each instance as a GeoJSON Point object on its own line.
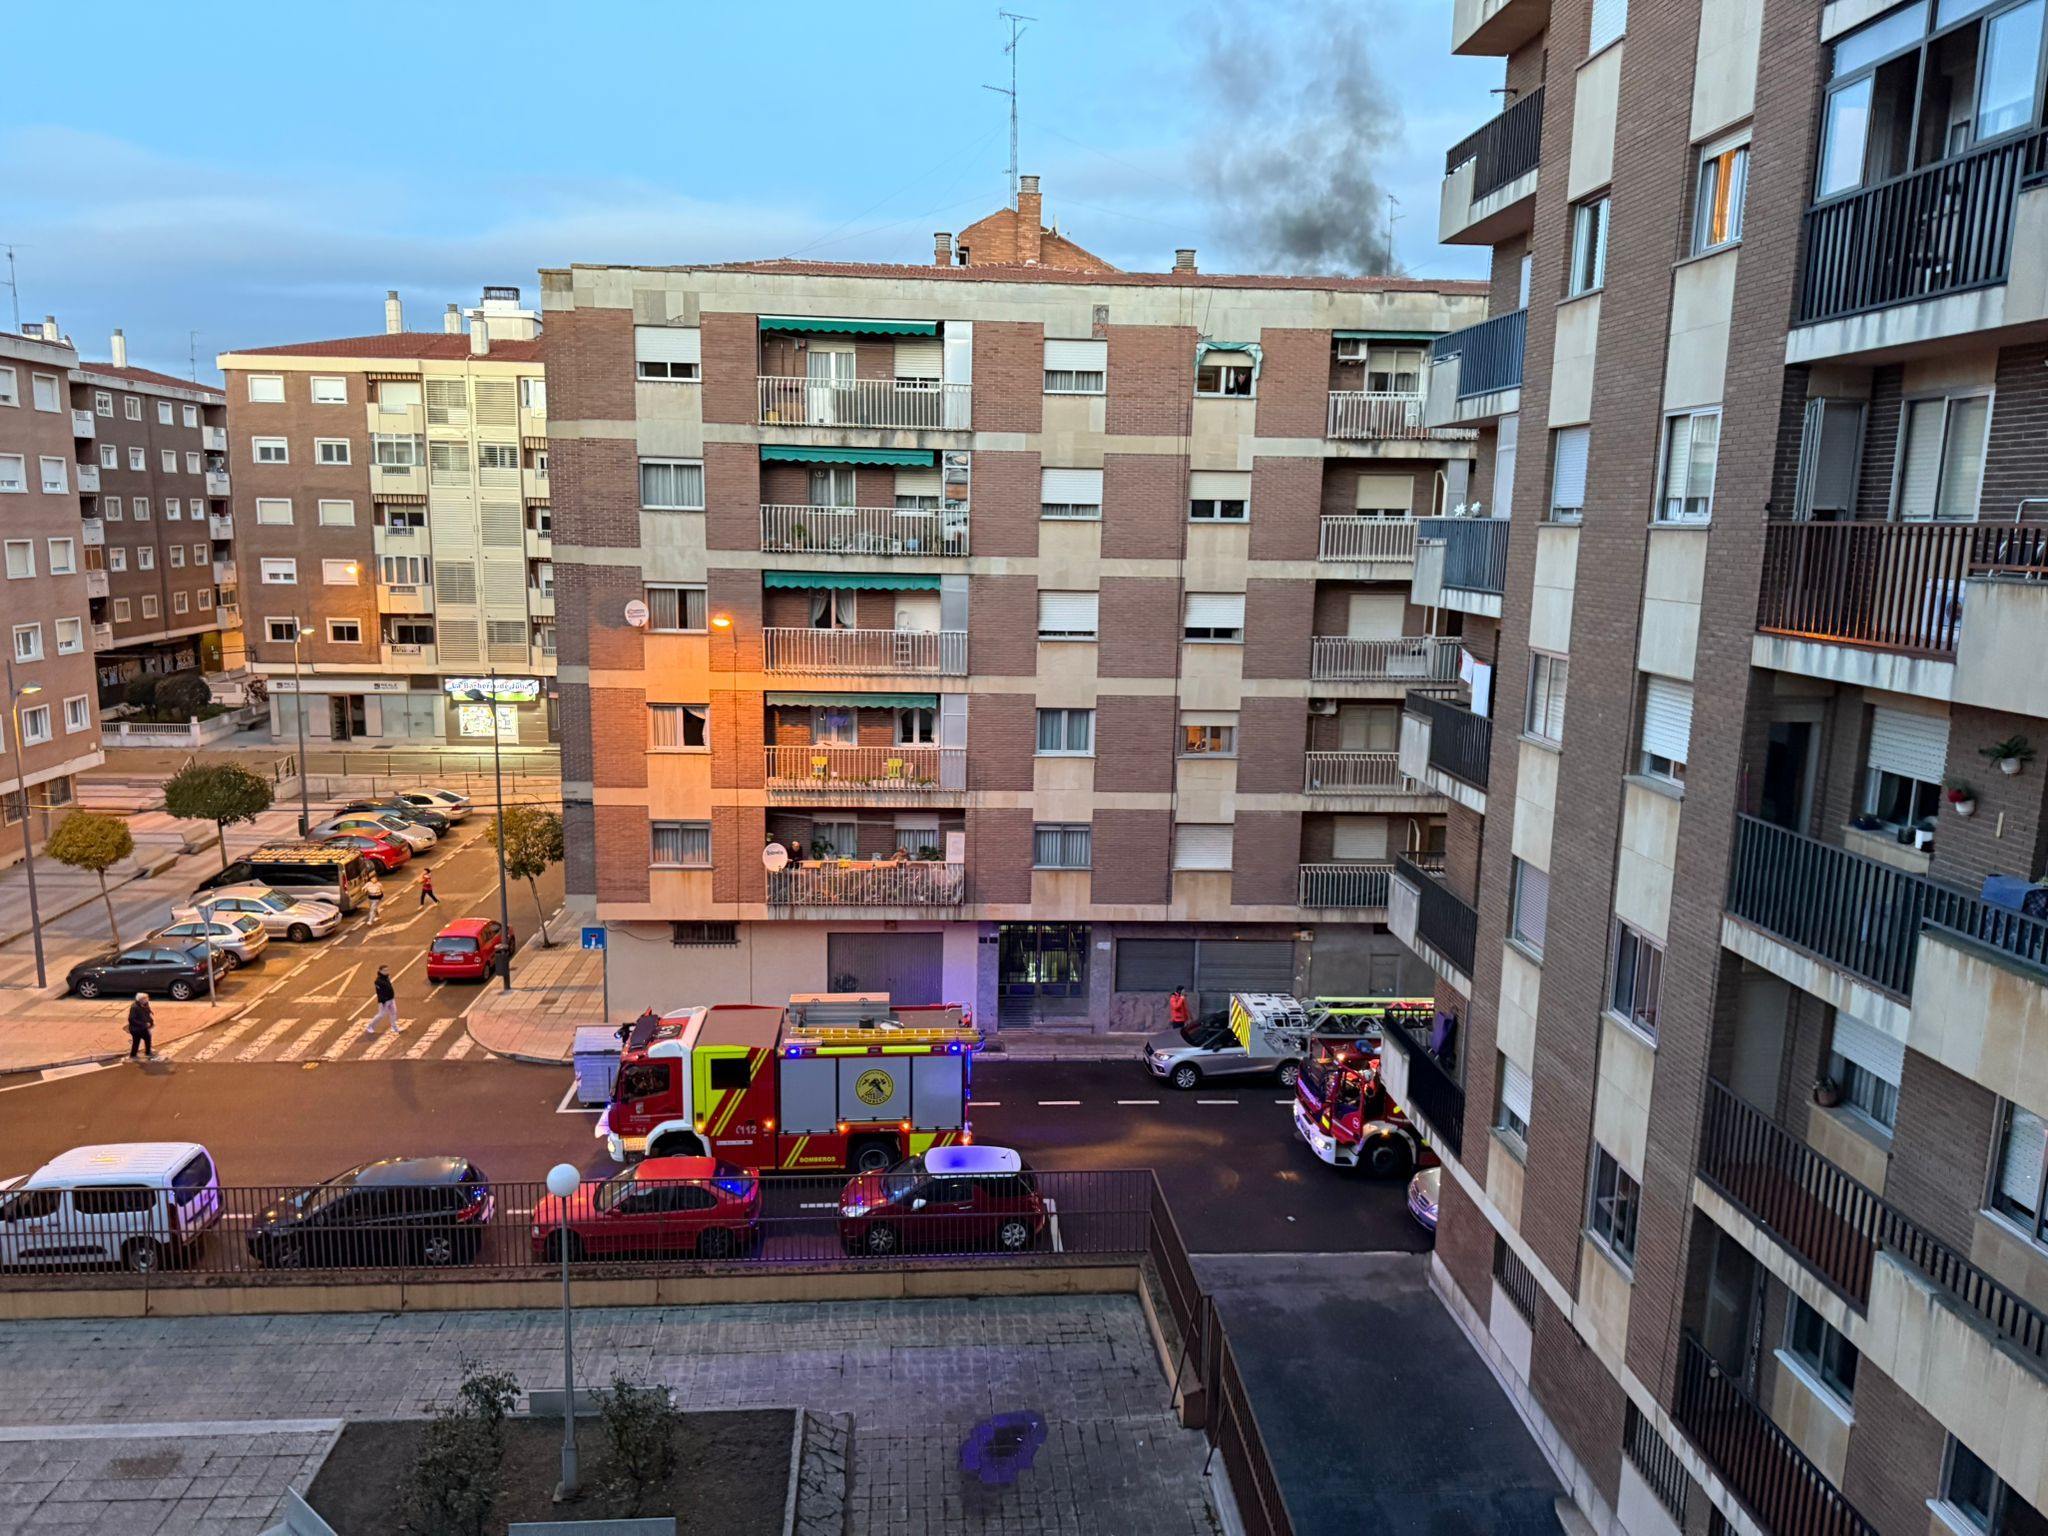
{"type": "Point", "coordinates": [953, 1049]}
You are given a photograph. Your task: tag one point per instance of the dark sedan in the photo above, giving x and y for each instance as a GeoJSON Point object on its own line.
{"type": "Point", "coordinates": [405, 810]}
{"type": "Point", "coordinates": [174, 971]}
{"type": "Point", "coordinates": [399, 1210]}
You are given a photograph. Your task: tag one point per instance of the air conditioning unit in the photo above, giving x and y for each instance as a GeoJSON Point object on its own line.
{"type": "Point", "coordinates": [1322, 706]}
{"type": "Point", "coordinates": [1351, 351]}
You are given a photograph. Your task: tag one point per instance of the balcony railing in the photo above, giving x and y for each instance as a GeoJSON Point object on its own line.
{"type": "Point", "coordinates": [861, 531]}
{"type": "Point", "coordinates": [879, 770]}
{"type": "Point", "coordinates": [1360, 414]}
{"type": "Point", "coordinates": [93, 532]}
{"type": "Point", "coordinates": [419, 657]}
{"type": "Point", "coordinates": [214, 439]}
{"type": "Point", "coordinates": [224, 573]}
{"type": "Point", "coordinates": [1758, 1460]}
{"type": "Point", "coordinates": [1509, 146]}
{"type": "Point", "coordinates": [1356, 773]}
{"type": "Point", "coordinates": [82, 424]}
{"type": "Point", "coordinates": [1381, 540]}
{"type": "Point", "coordinates": [89, 477]}
{"type": "Point", "coordinates": [96, 583]}
{"type": "Point", "coordinates": [908, 403]}
{"type": "Point", "coordinates": [866, 652]}
{"type": "Point", "coordinates": [103, 637]}
{"type": "Point", "coordinates": [1411, 658]}
{"type": "Point", "coordinates": [216, 482]}
{"type": "Point", "coordinates": [1946, 228]}
{"type": "Point", "coordinates": [909, 883]}
{"type": "Point", "coordinates": [1475, 551]}
{"type": "Point", "coordinates": [1442, 921]}
{"type": "Point", "coordinates": [1433, 1093]}
{"type": "Point", "coordinates": [220, 527]}
{"type": "Point", "coordinates": [1345, 885]}
{"type": "Point", "coordinates": [1460, 742]}
{"type": "Point", "coordinates": [1489, 353]}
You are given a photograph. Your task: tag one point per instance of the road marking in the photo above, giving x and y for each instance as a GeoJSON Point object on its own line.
{"type": "Point", "coordinates": [1057, 1103]}
{"type": "Point", "coordinates": [305, 1042]}
{"type": "Point", "coordinates": [567, 1107]}
{"type": "Point", "coordinates": [382, 1045]}
{"type": "Point", "coordinates": [266, 1040]}
{"type": "Point", "coordinates": [338, 987]}
{"type": "Point", "coordinates": [340, 1045]}
{"type": "Point", "coordinates": [459, 1049]}
{"type": "Point", "coordinates": [1216, 1101]}
{"type": "Point", "coordinates": [223, 1038]}
{"type": "Point", "coordinates": [985, 1103]}
{"type": "Point", "coordinates": [1283, 1101]}
{"type": "Point", "coordinates": [1137, 1101]}
{"type": "Point", "coordinates": [434, 1032]}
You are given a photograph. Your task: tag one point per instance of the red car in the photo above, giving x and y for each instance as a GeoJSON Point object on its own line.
{"type": "Point", "coordinates": [468, 949]}
{"type": "Point", "coordinates": [699, 1205]}
{"type": "Point", "coordinates": [387, 853]}
{"type": "Point", "coordinates": [947, 1199]}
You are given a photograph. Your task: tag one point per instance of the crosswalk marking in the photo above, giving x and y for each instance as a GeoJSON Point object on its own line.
{"type": "Point", "coordinates": [305, 1042]}
{"type": "Point", "coordinates": [434, 1032]}
{"type": "Point", "coordinates": [385, 1040]}
{"type": "Point", "coordinates": [344, 1042]}
{"type": "Point", "coordinates": [221, 1039]}
{"type": "Point", "coordinates": [459, 1049]}
{"type": "Point", "coordinates": [267, 1039]}
{"type": "Point", "coordinates": [332, 1039]}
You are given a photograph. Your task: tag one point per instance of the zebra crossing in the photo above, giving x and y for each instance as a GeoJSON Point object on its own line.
{"type": "Point", "coordinates": [330, 1039]}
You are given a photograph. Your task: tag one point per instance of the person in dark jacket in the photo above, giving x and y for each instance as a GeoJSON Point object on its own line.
{"type": "Point", "coordinates": [141, 1027]}
{"type": "Point", "coordinates": [387, 1004]}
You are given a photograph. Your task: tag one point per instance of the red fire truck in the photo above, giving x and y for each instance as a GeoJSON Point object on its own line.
{"type": "Point", "coordinates": [1342, 1110]}
{"type": "Point", "coordinates": [835, 1080]}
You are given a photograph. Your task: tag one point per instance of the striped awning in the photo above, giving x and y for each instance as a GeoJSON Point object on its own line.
{"type": "Point", "coordinates": [802, 454]}
{"type": "Point", "coordinates": [872, 581]}
{"type": "Point", "coordinates": [1387, 335]}
{"type": "Point", "coordinates": [854, 700]}
{"type": "Point", "coordinates": [814, 324]}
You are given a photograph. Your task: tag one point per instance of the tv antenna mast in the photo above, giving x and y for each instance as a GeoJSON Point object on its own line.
{"type": "Point", "coordinates": [192, 353]}
{"type": "Point", "coordinates": [1016, 32]}
{"type": "Point", "coordinates": [14, 288]}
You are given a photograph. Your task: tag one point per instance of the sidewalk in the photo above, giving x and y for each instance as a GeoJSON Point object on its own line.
{"type": "Point", "coordinates": [41, 1032]}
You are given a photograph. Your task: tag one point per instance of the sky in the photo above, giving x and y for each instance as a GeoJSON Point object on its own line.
{"type": "Point", "coordinates": [261, 173]}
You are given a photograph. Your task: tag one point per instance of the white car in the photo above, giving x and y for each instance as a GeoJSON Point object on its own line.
{"type": "Point", "coordinates": [306, 918]}
{"type": "Point", "coordinates": [446, 801]}
{"type": "Point", "coordinates": [237, 935]}
{"type": "Point", "coordinates": [142, 1205]}
{"type": "Point", "coordinates": [414, 836]}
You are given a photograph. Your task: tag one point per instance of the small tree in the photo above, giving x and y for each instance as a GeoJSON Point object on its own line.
{"type": "Point", "coordinates": [181, 696]}
{"type": "Point", "coordinates": [533, 841]}
{"type": "Point", "coordinates": [222, 793]}
{"type": "Point", "coordinates": [453, 1485]}
{"type": "Point", "coordinates": [96, 841]}
{"type": "Point", "coordinates": [641, 1426]}
{"type": "Point", "coordinates": [141, 690]}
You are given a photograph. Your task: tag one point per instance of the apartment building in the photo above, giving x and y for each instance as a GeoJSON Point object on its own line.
{"type": "Point", "coordinates": [1745, 1123]}
{"type": "Point", "coordinates": [1021, 632]}
{"type": "Point", "coordinates": [49, 719]}
{"type": "Point", "coordinates": [393, 517]}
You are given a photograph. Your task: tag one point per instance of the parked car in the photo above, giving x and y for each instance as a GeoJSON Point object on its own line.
{"type": "Point", "coordinates": [1422, 1196]}
{"type": "Point", "coordinates": [305, 871]}
{"type": "Point", "coordinates": [427, 816]}
{"type": "Point", "coordinates": [446, 801]}
{"type": "Point", "coordinates": [467, 949]}
{"type": "Point", "coordinates": [1206, 1048]}
{"type": "Point", "coordinates": [947, 1198]}
{"type": "Point", "coordinates": [699, 1205]}
{"type": "Point", "coordinates": [280, 916]}
{"type": "Point", "coordinates": [384, 851]}
{"type": "Point", "coordinates": [141, 1204]}
{"type": "Point", "coordinates": [398, 1210]}
{"type": "Point", "coordinates": [239, 938]}
{"type": "Point", "coordinates": [378, 824]}
{"type": "Point", "coordinates": [178, 971]}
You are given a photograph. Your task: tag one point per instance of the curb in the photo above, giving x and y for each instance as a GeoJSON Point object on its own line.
{"type": "Point", "coordinates": [104, 1058]}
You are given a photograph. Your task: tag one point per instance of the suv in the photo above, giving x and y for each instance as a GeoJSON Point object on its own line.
{"type": "Point", "coordinates": [239, 937]}
{"type": "Point", "coordinates": [141, 1204]}
{"type": "Point", "coordinates": [946, 1199]}
{"type": "Point", "coordinates": [1206, 1048]}
{"type": "Point", "coordinates": [279, 915]}
{"type": "Point", "coordinates": [400, 1210]}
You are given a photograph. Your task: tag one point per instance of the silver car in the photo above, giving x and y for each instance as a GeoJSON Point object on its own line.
{"type": "Point", "coordinates": [446, 801]}
{"type": "Point", "coordinates": [280, 916]}
{"type": "Point", "coordinates": [412, 834]}
{"type": "Point", "coordinates": [1187, 1056]}
{"type": "Point", "coordinates": [235, 934]}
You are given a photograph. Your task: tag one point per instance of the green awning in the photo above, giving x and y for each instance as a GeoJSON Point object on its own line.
{"type": "Point", "coordinates": [823, 323]}
{"type": "Point", "coordinates": [855, 700]}
{"type": "Point", "coordinates": [1250, 349]}
{"type": "Point", "coordinates": [794, 453]}
{"type": "Point", "coordinates": [853, 580]}
{"type": "Point", "coordinates": [1387, 335]}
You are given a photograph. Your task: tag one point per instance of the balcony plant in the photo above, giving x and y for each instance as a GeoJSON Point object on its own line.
{"type": "Point", "coordinates": [1961, 798]}
{"type": "Point", "coordinates": [2010, 754]}
{"type": "Point", "coordinates": [1827, 1093]}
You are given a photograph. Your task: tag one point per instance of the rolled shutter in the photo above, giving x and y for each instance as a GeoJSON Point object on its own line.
{"type": "Point", "coordinates": [1922, 471]}
{"type": "Point", "coordinates": [2019, 1170]}
{"type": "Point", "coordinates": [1871, 1049]}
{"type": "Point", "coordinates": [1610, 20]}
{"type": "Point", "coordinates": [1568, 483]}
{"type": "Point", "coordinates": [1914, 746]}
{"type": "Point", "coordinates": [1077, 356]}
{"type": "Point", "coordinates": [1067, 613]}
{"type": "Point", "coordinates": [1517, 1092]}
{"type": "Point", "coordinates": [667, 344]}
{"type": "Point", "coordinates": [1504, 455]}
{"type": "Point", "coordinates": [1215, 610]}
{"type": "Point", "coordinates": [1070, 487]}
{"type": "Point", "coordinates": [919, 357]}
{"type": "Point", "coordinates": [1201, 845]}
{"type": "Point", "coordinates": [917, 482]}
{"type": "Point", "coordinates": [1667, 719]}
{"type": "Point", "coordinates": [1219, 485]}
{"type": "Point", "coordinates": [1385, 493]}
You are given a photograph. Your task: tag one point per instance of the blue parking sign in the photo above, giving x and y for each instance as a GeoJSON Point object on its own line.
{"type": "Point", "coordinates": [593, 938]}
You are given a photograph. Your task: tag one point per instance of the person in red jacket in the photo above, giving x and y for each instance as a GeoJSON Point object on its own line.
{"type": "Point", "coordinates": [1179, 1012]}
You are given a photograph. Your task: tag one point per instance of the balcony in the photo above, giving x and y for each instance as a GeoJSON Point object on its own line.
{"type": "Point", "coordinates": [1490, 176]}
{"type": "Point", "coordinates": [96, 583]}
{"type": "Point", "coordinates": [1353, 540]}
{"type": "Point", "coordinates": [82, 424]}
{"type": "Point", "coordinates": [540, 543]}
{"type": "Point", "coordinates": [1476, 374]}
{"type": "Point", "coordinates": [214, 439]}
{"type": "Point", "coordinates": [801, 530]}
{"type": "Point", "coordinates": [103, 637]}
{"type": "Point", "coordinates": [216, 482]}
{"type": "Point", "coordinates": [224, 573]}
{"type": "Point", "coordinates": [220, 526]}
{"type": "Point", "coordinates": [1352, 887]}
{"type": "Point", "coordinates": [825, 770]}
{"type": "Point", "coordinates": [1496, 27]}
{"type": "Point", "coordinates": [542, 659]}
{"type": "Point", "coordinates": [1356, 773]}
{"type": "Point", "coordinates": [1364, 415]}
{"type": "Point", "coordinates": [398, 480]}
{"type": "Point", "coordinates": [404, 597]}
{"type": "Point", "coordinates": [1460, 743]}
{"type": "Point", "coordinates": [92, 532]}
{"type": "Point", "coordinates": [540, 602]}
{"type": "Point", "coordinates": [907, 404]}
{"type": "Point", "coordinates": [1407, 660]}
{"type": "Point", "coordinates": [89, 478]}
{"type": "Point", "coordinates": [1420, 1084]}
{"type": "Point", "coordinates": [533, 485]}
{"type": "Point", "coordinates": [905, 883]}
{"type": "Point", "coordinates": [1462, 563]}
{"type": "Point", "coordinates": [412, 657]}
{"type": "Point", "coordinates": [1439, 927]}
{"type": "Point", "coordinates": [865, 652]}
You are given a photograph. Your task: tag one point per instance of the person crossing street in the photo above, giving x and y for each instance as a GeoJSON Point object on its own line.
{"type": "Point", "coordinates": [427, 889]}
{"type": "Point", "coordinates": [387, 1004]}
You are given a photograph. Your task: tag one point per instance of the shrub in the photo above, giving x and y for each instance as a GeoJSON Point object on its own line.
{"type": "Point", "coordinates": [641, 1426]}
{"type": "Point", "coordinates": [181, 696]}
{"type": "Point", "coordinates": [141, 690]}
{"type": "Point", "coordinates": [453, 1485]}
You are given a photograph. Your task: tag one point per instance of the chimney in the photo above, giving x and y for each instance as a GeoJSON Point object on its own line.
{"type": "Point", "coordinates": [50, 331]}
{"type": "Point", "coordinates": [120, 353]}
{"type": "Point", "coordinates": [451, 321]}
{"type": "Point", "coordinates": [1184, 258]}
{"type": "Point", "coordinates": [479, 337]}
{"type": "Point", "coordinates": [942, 248]}
{"type": "Point", "coordinates": [1030, 220]}
{"type": "Point", "coordinates": [394, 313]}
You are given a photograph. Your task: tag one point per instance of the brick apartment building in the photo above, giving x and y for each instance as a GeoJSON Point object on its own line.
{"type": "Point", "coordinates": [1009, 629]}
{"type": "Point", "coordinates": [391, 510]}
{"type": "Point", "coordinates": [1744, 1131]}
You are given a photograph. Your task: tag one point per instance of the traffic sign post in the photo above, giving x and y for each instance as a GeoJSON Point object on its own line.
{"type": "Point", "coordinates": [594, 938]}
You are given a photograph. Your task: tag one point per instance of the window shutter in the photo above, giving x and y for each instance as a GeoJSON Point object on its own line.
{"type": "Point", "coordinates": [1070, 487]}
{"type": "Point", "coordinates": [1677, 462]}
{"type": "Point", "coordinates": [1201, 845]}
{"type": "Point", "coordinates": [917, 482]}
{"type": "Point", "coordinates": [1610, 20]}
{"type": "Point", "coordinates": [1517, 1092]}
{"type": "Point", "coordinates": [1067, 613]}
{"type": "Point", "coordinates": [1504, 455]}
{"type": "Point", "coordinates": [667, 344]}
{"type": "Point", "coordinates": [1553, 712]}
{"type": "Point", "coordinates": [1667, 718]}
{"type": "Point", "coordinates": [1912, 745]}
{"type": "Point", "coordinates": [1384, 493]}
{"type": "Point", "coordinates": [1215, 610]}
{"type": "Point", "coordinates": [1922, 471]}
{"type": "Point", "coordinates": [919, 357]}
{"type": "Point", "coordinates": [1077, 356]}
{"type": "Point", "coordinates": [1219, 485]}
{"type": "Point", "coordinates": [1871, 1049]}
{"type": "Point", "coordinates": [1829, 455]}
{"type": "Point", "coordinates": [2019, 1171]}
{"type": "Point", "coordinates": [1568, 483]}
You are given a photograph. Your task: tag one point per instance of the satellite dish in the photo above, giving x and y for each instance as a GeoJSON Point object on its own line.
{"type": "Point", "coordinates": [773, 857]}
{"type": "Point", "coordinates": [636, 614]}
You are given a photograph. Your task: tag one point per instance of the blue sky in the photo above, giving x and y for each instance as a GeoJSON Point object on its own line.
{"type": "Point", "coordinates": [262, 173]}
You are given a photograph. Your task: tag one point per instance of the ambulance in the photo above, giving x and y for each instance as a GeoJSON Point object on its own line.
{"type": "Point", "coordinates": [834, 1081]}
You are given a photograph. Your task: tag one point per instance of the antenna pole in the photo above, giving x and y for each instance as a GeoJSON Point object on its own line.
{"type": "Point", "coordinates": [1016, 32]}
{"type": "Point", "coordinates": [14, 288]}
{"type": "Point", "coordinates": [192, 345]}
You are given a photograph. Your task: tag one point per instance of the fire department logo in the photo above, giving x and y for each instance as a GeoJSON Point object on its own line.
{"type": "Point", "coordinates": [874, 1088]}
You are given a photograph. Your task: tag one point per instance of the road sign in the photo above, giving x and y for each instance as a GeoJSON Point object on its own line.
{"type": "Point", "coordinates": [593, 938]}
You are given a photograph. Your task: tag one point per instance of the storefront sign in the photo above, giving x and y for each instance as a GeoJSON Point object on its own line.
{"type": "Point", "coordinates": [506, 690]}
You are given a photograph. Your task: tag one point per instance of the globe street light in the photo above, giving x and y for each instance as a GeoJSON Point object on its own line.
{"type": "Point", "coordinates": [563, 1182]}
{"type": "Point", "coordinates": [35, 922]}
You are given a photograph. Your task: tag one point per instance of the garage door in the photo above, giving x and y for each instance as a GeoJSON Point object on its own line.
{"type": "Point", "coordinates": [910, 967]}
{"type": "Point", "coordinates": [1223, 966]}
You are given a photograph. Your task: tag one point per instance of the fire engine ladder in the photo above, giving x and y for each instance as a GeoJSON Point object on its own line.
{"type": "Point", "coordinates": [886, 1035]}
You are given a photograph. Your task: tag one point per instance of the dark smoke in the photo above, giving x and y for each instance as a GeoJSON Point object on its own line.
{"type": "Point", "coordinates": [1295, 171]}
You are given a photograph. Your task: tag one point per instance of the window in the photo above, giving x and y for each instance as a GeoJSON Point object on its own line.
{"type": "Point", "coordinates": [345, 631]}
{"type": "Point", "coordinates": [328, 390]}
{"type": "Point", "coordinates": [917, 727]}
{"type": "Point", "coordinates": [1066, 732]}
{"type": "Point", "coordinates": [35, 725]}
{"type": "Point", "coordinates": [44, 389]}
{"type": "Point", "coordinates": [1067, 615]}
{"type": "Point", "coordinates": [1228, 374]}
{"type": "Point", "coordinates": [533, 395]}
{"type": "Point", "coordinates": [1692, 443]}
{"type": "Point", "coordinates": [56, 476]}
{"type": "Point", "coordinates": [680, 845]}
{"type": "Point", "coordinates": [1208, 735]}
{"type": "Point", "coordinates": [181, 602]}
{"type": "Point", "coordinates": [174, 509]}
{"type": "Point", "coordinates": [1638, 988]}
{"type": "Point", "coordinates": [131, 407]}
{"type": "Point", "coordinates": [340, 573]}
{"type": "Point", "coordinates": [1201, 845]}
{"type": "Point", "coordinates": [117, 558]}
{"type": "Point", "coordinates": [266, 389]}
{"type": "Point", "coordinates": [110, 456]}
{"type": "Point", "coordinates": [150, 606]}
{"type": "Point", "coordinates": [1076, 367]}
{"type": "Point", "coordinates": [1214, 618]}
{"type": "Point", "coordinates": [28, 642]}
{"type": "Point", "coordinates": [1903, 771]}
{"type": "Point", "coordinates": [680, 727]}
{"type": "Point", "coordinates": [275, 510]}
{"type": "Point", "coordinates": [1530, 917]}
{"type": "Point", "coordinates": [1972, 1494]}
{"type": "Point", "coordinates": [1219, 496]}
{"type": "Point", "coordinates": [1589, 245]}
{"type": "Point", "coordinates": [1393, 370]}
{"type": "Point", "coordinates": [77, 713]}
{"type": "Point", "coordinates": [2020, 1170]}
{"type": "Point", "coordinates": [1569, 448]}
{"type": "Point", "coordinates": [1941, 457]}
{"type": "Point", "coordinates": [1615, 1198]}
{"type": "Point", "coordinates": [499, 463]}
{"type": "Point", "coordinates": [1867, 1065]}
{"type": "Point", "coordinates": [139, 506]}
{"type": "Point", "coordinates": [1070, 495]}
{"type": "Point", "coordinates": [102, 400]}
{"type": "Point", "coordinates": [665, 354]}
{"type": "Point", "coordinates": [330, 450]}
{"type": "Point", "coordinates": [337, 514]}
{"type": "Point", "coordinates": [271, 450]}
{"type": "Point", "coordinates": [13, 474]}
{"type": "Point", "coordinates": [1061, 847]}
{"type": "Point", "coordinates": [63, 557]}
{"type": "Point", "coordinates": [177, 554]}
{"type": "Point", "coordinates": [1667, 729]}
{"type": "Point", "coordinates": [191, 415]}
{"type": "Point", "coordinates": [1610, 20]}
{"type": "Point", "coordinates": [10, 390]}
{"type": "Point", "coordinates": [1828, 1358]}
{"type": "Point", "coordinates": [703, 933]}
{"type": "Point", "coordinates": [1544, 717]}
{"type": "Point", "coordinates": [145, 557]}
{"type": "Point", "coordinates": [278, 572]}
{"type": "Point", "coordinates": [21, 559]}
{"type": "Point", "coordinates": [675, 610]}
{"type": "Point", "coordinates": [672, 485]}
{"type": "Point", "coordinates": [1514, 1093]}
{"type": "Point", "coordinates": [282, 631]}
{"type": "Point", "coordinates": [404, 570]}
{"type": "Point", "coordinates": [163, 413]}
{"type": "Point", "coordinates": [168, 459]}
{"type": "Point", "coordinates": [1717, 196]}
{"type": "Point", "coordinates": [191, 463]}
{"type": "Point", "coordinates": [392, 452]}
{"type": "Point", "coordinates": [137, 459]}
{"type": "Point", "coordinates": [205, 599]}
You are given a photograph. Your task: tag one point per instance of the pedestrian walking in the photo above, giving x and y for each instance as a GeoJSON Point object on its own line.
{"type": "Point", "coordinates": [387, 1004]}
{"type": "Point", "coordinates": [427, 889]}
{"type": "Point", "coordinates": [373, 893]}
{"type": "Point", "coordinates": [141, 1028]}
{"type": "Point", "coordinates": [1179, 1011]}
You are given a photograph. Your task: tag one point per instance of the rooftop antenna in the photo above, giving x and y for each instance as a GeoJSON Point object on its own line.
{"type": "Point", "coordinates": [1016, 33]}
{"type": "Point", "coordinates": [192, 353]}
{"type": "Point", "coordinates": [14, 288]}
{"type": "Point", "coordinates": [1393, 218]}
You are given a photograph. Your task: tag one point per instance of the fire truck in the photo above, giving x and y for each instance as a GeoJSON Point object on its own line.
{"type": "Point", "coordinates": [1344, 1113]}
{"type": "Point", "coordinates": [833, 1081]}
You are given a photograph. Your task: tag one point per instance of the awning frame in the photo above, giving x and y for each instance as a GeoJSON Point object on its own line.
{"type": "Point", "coordinates": [851, 700]}
{"type": "Point", "coordinates": [854, 581]}
{"type": "Point", "coordinates": [800, 453]}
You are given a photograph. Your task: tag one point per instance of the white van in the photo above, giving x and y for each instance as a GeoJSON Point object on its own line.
{"type": "Point", "coordinates": [140, 1204]}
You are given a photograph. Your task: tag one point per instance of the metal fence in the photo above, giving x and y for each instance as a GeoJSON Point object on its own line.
{"type": "Point", "coordinates": [805, 530]}
{"type": "Point", "coordinates": [913, 403]}
{"type": "Point", "coordinates": [904, 770]}
{"type": "Point", "coordinates": [1373, 413]}
{"type": "Point", "coordinates": [1374, 540]}
{"type": "Point", "coordinates": [1517, 1280]}
{"type": "Point", "coordinates": [1507, 146]}
{"type": "Point", "coordinates": [1408, 658]}
{"type": "Point", "coordinates": [1475, 551]}
{"type": "Point", "coordinates": [1657, 1462]}
{"type": "Point", "coordinates": [1460, 742]}
{"type": "Point", "coordinates": [909, 883]}
{"type": "Point", "coordinates": [1345, 885]}
{"type": "Point", "coordinates": [865, 652]}
{"type": "Point", "coordinates": [1356, 773]}
{"type": "Point", "coordinates": [1489, 353]}
{"type": "Point", "coordinates": [1433, 1093]}
{"type": "Point", "coordinates": [1442, 921]}
{"type": "Point", "coordinates": [1888, 586]}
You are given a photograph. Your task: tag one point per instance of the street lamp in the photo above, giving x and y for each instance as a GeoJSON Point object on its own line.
{"type": "Point", "coordinates": [563, 1182]}
{"type": "Point", "coordinates": [35, 921]}
{"type": "Point", "coordinates": [299, 717]}
{"type": "Point", "coordinates": [490, 700]}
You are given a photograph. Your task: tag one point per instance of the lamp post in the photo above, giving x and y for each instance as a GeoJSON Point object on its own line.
{"type": "Point", "coordinates": [299, 718]}
{"type": "Point", "coordinates": [35, 921]}
{"type": "Point", "coordinates": [490, 699]}
{"type": "Point", "coordinates": [563, 1182]}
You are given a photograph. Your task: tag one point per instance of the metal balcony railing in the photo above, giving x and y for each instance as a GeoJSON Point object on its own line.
{"type": "Point", "coordinates": [910, 883]}
{"type": "Point", "coordinates": [220, 527]}
{"type": "Point", "coordinates": [1364, 414]}
{"type": "Point", "coordinates": [1489, 353]}
{"type": "Point", "coordinates": [1508, 146]}
{"type": "Point", "coordinates": [216, 482]}
{"type": "Point", "coordinates": [93, 532]}
{"type": "Point", "coordinates": [909, 403]}
{"type": "Point", "coordinates": [1345, 885]}
{"type": "Point", "coordinates": [214, 439]}
{"type": "Point", "coordinates": [1355, 773]}
{"type": "Point", "coordinates": [1411, 658]}
{"type": "Point", "coordinates": [1442, 921]}
{"type": "Point", "coordinates": [1475, 551]}
{"type": "Point", "coordinates": [1383, 540]}
{"type": "Point", "coordinates": [866, 652]}
{"type": "Point", "coordinates": [1460, 742]}
{"type": "Point", "coordinates": [1946, 228]}
{"type": "Point", "coordinates": [1433, 1093]}
{"type": "Point", "coordinates": [880, 770]}
{"type": "Point", "coordinates": [787, 529]}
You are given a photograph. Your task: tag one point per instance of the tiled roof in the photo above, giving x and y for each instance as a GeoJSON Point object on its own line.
{"type": "Point", "coordinates": [436, 345]}
{"type": "Point", "coordinates": [1071, 277]}
{"type": "Point", "coordinates": [148, 377]}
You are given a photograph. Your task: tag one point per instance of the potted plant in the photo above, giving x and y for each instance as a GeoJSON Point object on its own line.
{"type": "Point", "coordinates": [1961, 798]}
{"type": "Point", "coordinates": [2009, 754]}
{"type": "Point", "coordinates": [1827, 1093]}
{"type": "Point", "coordinates": [799, 535]}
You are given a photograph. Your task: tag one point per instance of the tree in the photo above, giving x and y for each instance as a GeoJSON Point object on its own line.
{"type": "Point", "coordinates": [96, 841]}
{"type": "Point", "coordinates": [222, 793]}
{"type": "Point", "coordinates": [641, 1427]}
{"type": "Point", "coordinates": [533, 841]}
{"type": "Point", "coordinates": [181, 696]}
{"type": "Point", "coordinates": [141, 690]}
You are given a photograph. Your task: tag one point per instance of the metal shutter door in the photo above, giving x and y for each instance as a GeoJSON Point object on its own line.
{"type": "Point", "coordinates": [1912, 745]}
{"type": "Point", "coordinates": [1067, 613]}
{"type": "Point", "coordinates": [1077, 356]}
{"type": "Point", "coordinates": [1201, 845]}
{"type": "Point", "coordinates": [1070, 487]}
{"type": "Point", "coordinates": [1504, 465]}
{"type": "Point", "coordinates": [1667, 719]}
{"type": "Point", "coordinates": [910, 967]}
{"type": "Point", "coordinates": [1568, 484]}
{"type": "Point", "coordinates": [1223, 966]}
{"type": "Point", "coordinates": [1871, 1049]}
{"type": "Point", "coordinates": [667, 344]}
{"type": "Point", "coordinates": [1154, 965]}
{"type": "Point", "coordinates": [1215, 610]}
{"type": "Point", "coordinates": [1517, 1093]}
